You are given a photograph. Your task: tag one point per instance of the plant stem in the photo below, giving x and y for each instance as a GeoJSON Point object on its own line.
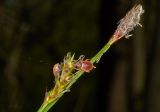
{"type": "Point", "coordinates": [126, 25]}
{"type": "Point", "coordinates": [98, 56]}
{"type": "Point", "coordinates": [47, 104]}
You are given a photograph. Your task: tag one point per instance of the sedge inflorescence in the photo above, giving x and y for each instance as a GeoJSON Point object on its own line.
{"type": "Point", "coordinates": [128, 23]}
{"type": "Point", "coordinates": [65, 71]}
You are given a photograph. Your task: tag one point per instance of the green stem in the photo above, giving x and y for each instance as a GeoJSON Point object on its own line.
{"type": "Point", "coordinates": [98, 56]}
{"type": "Point", "coordinates": [47, 104]}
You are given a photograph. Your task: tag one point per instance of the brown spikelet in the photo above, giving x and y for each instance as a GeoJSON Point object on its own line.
{"type": "Point", "coordinates": [128, 23]}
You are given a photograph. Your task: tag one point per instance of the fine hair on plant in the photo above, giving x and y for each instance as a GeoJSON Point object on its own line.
{"type": "Point", "coordinates": [70, 69]}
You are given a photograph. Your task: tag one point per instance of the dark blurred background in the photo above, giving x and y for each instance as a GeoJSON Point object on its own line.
{"type": "Point", "coordinates": [36, 34]}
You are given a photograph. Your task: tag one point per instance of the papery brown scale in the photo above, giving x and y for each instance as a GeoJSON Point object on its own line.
{"type": "Point", "coordinates": [56, 70]}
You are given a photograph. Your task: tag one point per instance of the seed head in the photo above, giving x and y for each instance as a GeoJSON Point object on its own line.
{"type": "Point", "coordinates": [128, 23]}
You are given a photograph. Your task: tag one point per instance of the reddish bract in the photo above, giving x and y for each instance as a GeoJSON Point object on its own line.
{"type": "Point", "coordinates": [85, 66]}
{"type": "Point", "coordinates": [56, 69]}
{"type": "Point", "coordinates": [118, 34]}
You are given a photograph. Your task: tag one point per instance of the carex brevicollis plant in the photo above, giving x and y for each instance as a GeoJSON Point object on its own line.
{"type": "Point", "coordinates": [70, 69]}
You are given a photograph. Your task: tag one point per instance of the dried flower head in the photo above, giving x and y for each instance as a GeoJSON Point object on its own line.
{"type": "Point", "coordinates": [128, 23]}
